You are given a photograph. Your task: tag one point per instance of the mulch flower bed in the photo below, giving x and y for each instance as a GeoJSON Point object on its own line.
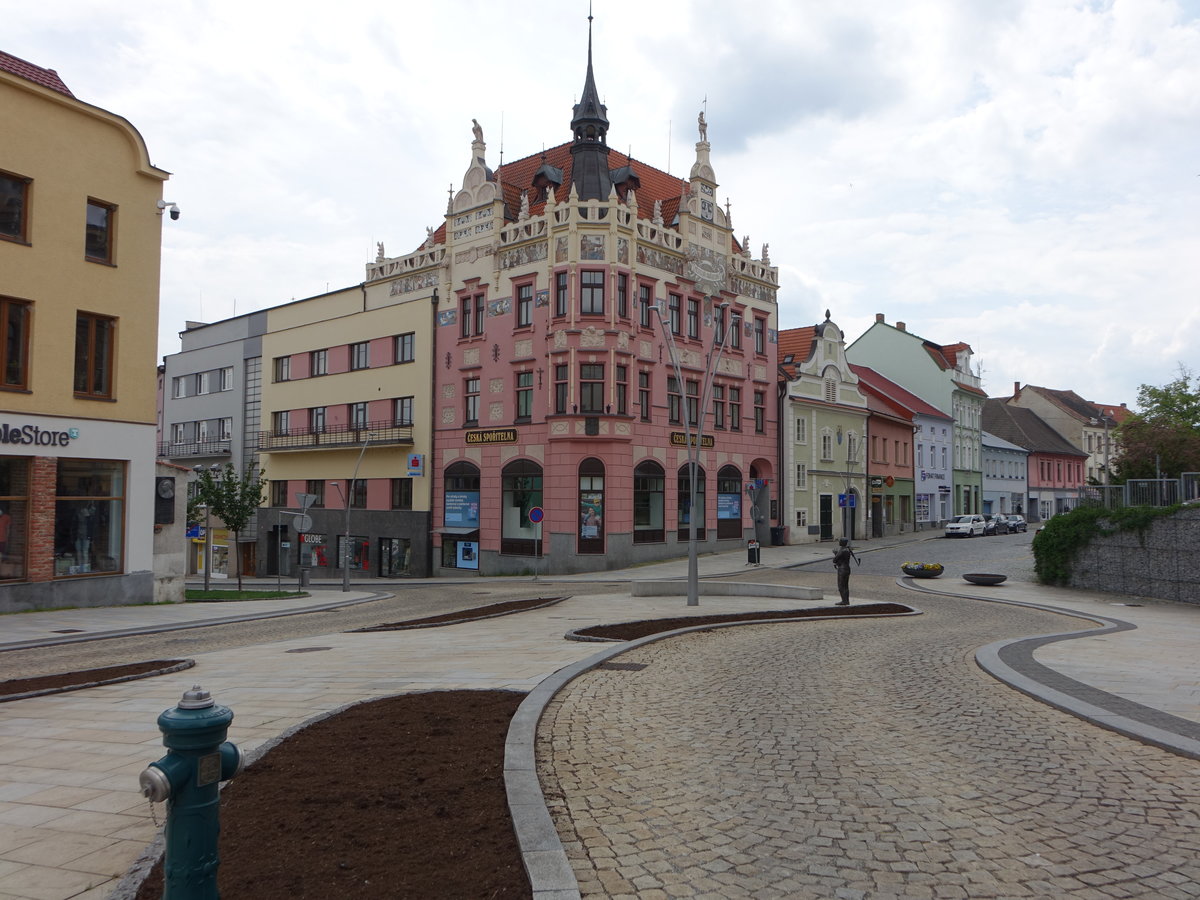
{"type": "Point", "coordinates": [628, 631]}
{"type": "Point", "coordinates": [20, 688]}
{"type": "Point", "coordinates": [402, 797]}
{"type": "Point", "coordinates": [465, 615]}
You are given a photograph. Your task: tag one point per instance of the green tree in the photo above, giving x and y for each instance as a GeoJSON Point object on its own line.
{"type": "Point", "coordinates": [1164, 435]}
{"type": "Point", "coordinates": [232, 499]}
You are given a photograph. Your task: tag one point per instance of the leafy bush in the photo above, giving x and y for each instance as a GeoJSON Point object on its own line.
{"type": "Point", "coordinates": [1056, 544]}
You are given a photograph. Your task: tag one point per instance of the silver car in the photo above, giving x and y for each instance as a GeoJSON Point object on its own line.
{"type": "Point", "coordinates": [965, 526]}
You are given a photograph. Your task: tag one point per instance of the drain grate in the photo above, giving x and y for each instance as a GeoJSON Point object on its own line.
{"type": "Point", "coordinates": [307, 649]}
{"type": "Point", "coordinates": [68, 631]}
{"type": "Point", "coordinates": [622, 667]}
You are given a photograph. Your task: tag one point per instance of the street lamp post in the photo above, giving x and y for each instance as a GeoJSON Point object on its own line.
{"type": "Point", "coordinates": [694, 431]}
{"type": "Point", "coordinates": [349, 492]}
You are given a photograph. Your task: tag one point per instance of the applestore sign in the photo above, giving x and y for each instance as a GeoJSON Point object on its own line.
{"type": "Point", "coordinates": [34, 436]}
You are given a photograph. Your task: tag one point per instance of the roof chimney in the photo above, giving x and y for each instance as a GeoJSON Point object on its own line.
{"type": "Point", "coordinates": [1016, 389]}
{"type": "Point", "coordinates": [879, 318]}
{"type": "Point", "coordinates": [900, 326]}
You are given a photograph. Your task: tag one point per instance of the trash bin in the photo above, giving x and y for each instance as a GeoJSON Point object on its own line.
{"type": "Point", "coordinates": [305, 575]}
{"type": "Point", "coordinates": [752, 552]}
{"type": "Point", "coordinates": [777, 536]}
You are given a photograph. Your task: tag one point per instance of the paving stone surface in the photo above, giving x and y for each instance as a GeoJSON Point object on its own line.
{"type": "Point", "coordinates": [866, 759]}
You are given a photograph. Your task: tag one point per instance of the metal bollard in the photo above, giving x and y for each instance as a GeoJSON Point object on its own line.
{"type": "Point", "coordinates": [188, 778]}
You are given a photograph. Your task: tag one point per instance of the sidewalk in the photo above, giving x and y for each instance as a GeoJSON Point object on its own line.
{"type": "Point", "coordinates": [72, 820]}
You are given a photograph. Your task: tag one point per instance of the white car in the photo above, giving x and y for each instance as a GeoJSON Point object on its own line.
{"type": "Point", "coordinates": [965, 526]}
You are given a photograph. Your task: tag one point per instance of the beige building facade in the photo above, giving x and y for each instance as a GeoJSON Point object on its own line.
{"type": "Point", "coordinates": [80, 234]}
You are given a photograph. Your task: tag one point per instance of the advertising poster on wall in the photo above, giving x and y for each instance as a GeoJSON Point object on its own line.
{"type": "Point", "coordinates": [729, 506]}
{"type": "Point", "coordinates": [462, 509]}
{"type": "Point", "coordinates": [591, 513]}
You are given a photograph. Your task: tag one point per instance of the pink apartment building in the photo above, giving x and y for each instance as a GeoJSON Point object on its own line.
{"type": "Point", "coordinates": [565, 281]}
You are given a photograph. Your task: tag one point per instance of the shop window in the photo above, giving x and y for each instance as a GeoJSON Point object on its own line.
{"type": "Point", "coordinates": [14, 351]}
{"type": "Point", "coordinates": [591, 506]}
{"type": "Point", "coordinates": [686, 506]}
{"type": "Point", "coordinates": [14, 207]}
{"type": "Point", "coordinates": [648, 495]}
{"type": "Point", "coordinates": [89, 517]}
{"type": "Point", "coordinates": [314, 552]}
{"type": "Point", "coordinates": [729, 502]}
{"type": "Point", "coordinates": [395, 556]}
{"type": "Point", "coordinates": [14, 517]}
{"type": "Point", "coordinates": [360, 552]}
{"type": "Point", "coordinates": [95, 338]}
{"type": "Point", "coordinates": [521, 484]}
{"type": "Point", "coordinates": [101, 226]}
{"type": "Point", "coordinates": [461, 484]}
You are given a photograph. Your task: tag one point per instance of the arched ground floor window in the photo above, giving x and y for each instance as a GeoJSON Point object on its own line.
{"type": "Point", "coordinates": [522, 491]}
{"type": "Point", "coordinates": [648, 492]}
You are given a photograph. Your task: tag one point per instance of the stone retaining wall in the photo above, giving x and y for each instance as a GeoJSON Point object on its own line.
{"type": "Point", "coordinates": [1161, 562]}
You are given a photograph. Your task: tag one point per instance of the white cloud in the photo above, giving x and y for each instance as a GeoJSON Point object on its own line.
{"type": "Point", "coordinates": [1019, 175]}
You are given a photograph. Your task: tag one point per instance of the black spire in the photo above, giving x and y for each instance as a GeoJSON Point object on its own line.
{"type": "Point", "coordinates": [589, 169]}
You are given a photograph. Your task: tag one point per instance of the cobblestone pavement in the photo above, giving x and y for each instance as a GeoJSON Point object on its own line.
{"type": "Point", "coordinates": [864, 760]}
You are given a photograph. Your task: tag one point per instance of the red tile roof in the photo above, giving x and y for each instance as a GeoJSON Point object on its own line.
{"type": "Point", "coordinates": [27, 70]}
{"type": "Point", "coordinates": [970, 389]}
{"type": "Point", "coordinates": [888, 388]}
{"type": "Point", "coordinates": [797, 341]}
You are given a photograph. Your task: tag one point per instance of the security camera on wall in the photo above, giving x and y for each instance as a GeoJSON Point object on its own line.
{"type": "Point", "coordinates": [173, 207]}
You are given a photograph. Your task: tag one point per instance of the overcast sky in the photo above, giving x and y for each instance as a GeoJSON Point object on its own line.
{"type": "Point", "coordinates": [1021, 175]}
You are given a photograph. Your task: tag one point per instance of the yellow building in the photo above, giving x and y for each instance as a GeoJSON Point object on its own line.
{"type": "Point", "coordinates": [80, 234]}
{"type": "Point", "coordinates": [346, 398]}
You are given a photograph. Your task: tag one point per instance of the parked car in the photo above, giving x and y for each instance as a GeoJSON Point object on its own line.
{"type": "Point", "coordinates": [965, 526]}
{"type": "Point", "coordinates": [1016, 522]}
{"type": "Point", "coordinates": [1001, 523]}
{"type": "Point", "coordinates": [989, 524]}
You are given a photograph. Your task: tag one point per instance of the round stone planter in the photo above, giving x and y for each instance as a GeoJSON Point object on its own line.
{"type": "Point", "coordinates": [980, 578]}
{"type": "Point", "coordinates": [918, 572]}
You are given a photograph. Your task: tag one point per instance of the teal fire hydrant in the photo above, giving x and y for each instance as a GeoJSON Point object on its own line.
{"type": "Point", "coordinates": [188, 778]}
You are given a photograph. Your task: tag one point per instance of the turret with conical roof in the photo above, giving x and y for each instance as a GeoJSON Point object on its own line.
{"type": "Point", "coordinates": [589, 124]}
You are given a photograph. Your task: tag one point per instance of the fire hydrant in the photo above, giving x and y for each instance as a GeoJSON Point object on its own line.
{"type": "Point", "coordinates": [188, 778]}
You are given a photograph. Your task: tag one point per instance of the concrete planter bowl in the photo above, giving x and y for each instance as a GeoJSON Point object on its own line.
{"type": "Point", "coordinates": [982, 578]}
{"type": "Point", "coordinates": [922, 570]}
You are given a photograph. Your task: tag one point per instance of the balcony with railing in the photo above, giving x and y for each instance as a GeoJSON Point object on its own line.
{"type": "Point", "coordinates": [181, 449]}
{"type": "Point", "coordinates": [335, 437]}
